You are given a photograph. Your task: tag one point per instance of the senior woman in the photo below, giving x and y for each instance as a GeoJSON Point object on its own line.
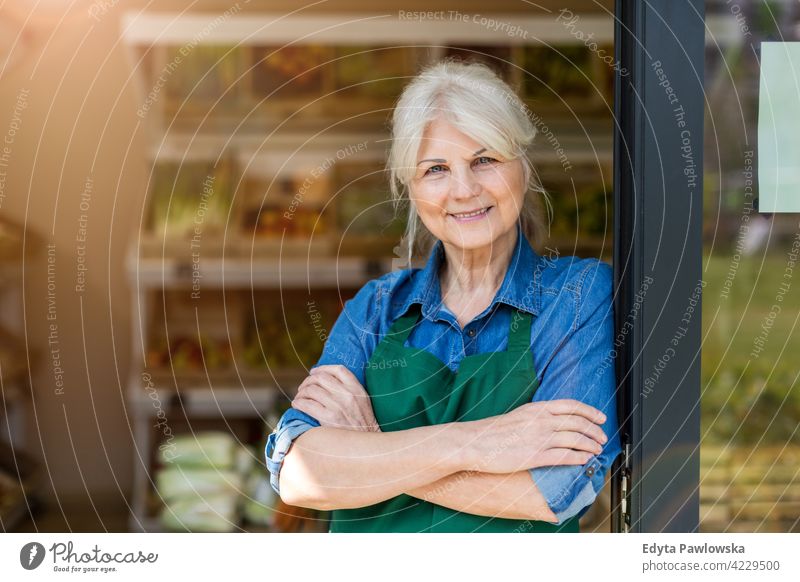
{"type": "Point", "coordinates": [476, 393]}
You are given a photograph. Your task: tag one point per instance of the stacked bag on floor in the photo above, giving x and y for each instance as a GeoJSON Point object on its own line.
{"type": "Point", "coordinates": [209, 481]}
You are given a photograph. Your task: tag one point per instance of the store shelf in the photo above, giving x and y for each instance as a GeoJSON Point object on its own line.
{"type": "Point", "coordinates": [20, 479]}
{"type": "Point", "coordinates": [255, 29]}
{"type": "Point", "coordinates": [278, 272]}
{"type": "Point", "coordinates": [273, 113]}
{"type": "Point", "coordinates": [225, 402]}
{"type": "Point", "coordinates": [153, 525]}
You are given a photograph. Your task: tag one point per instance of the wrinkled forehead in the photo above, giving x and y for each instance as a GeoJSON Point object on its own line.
{"type": "Point", "coordinates": [444, 137]}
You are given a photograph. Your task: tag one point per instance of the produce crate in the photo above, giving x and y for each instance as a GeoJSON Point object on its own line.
{"type": "Point", "coordinates": [365, 213]}
{"type": "Point", "coordinates": [189, 206]}
{"type": "Point", "coordinates": [286, 332]}
{"type": "Point", "coordinates": [203, 81]}
{"type": "Point", "coordinates": [283, 197]}
{"type": "Point", "coordinates": [192, 338]}
{"type": "Point", "coordinates": [570, 79]}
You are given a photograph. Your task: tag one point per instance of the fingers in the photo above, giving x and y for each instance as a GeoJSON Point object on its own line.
{"type": "Point", "coordinates": [317, 375]}
{"type": "Point", "coordinates": [574, 440]}
{"type": "Point", "coordinates": [341, 378]}
{"type": "Point", "coordinates": [331, 381]}
{"type": "Point", "coordinates": [569, 406]}
{"type": "Point", "coordinates": [321, 383]}
{"type": "Point", "coordinates": [310, 407]}
{"type": "Point", "coordinates": [340, 373]}
{"type": "Point", "coordinates": [560, 456]}
{"type": "Point", "coordinates": [571, 422]}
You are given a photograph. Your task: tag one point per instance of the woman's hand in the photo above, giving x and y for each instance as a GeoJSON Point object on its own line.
{"type": "Point", "coordinates": [335, 397]}
{"type": "Point", "coordinates": [537, 434]}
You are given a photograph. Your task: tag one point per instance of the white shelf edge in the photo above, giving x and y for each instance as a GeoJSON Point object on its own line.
{"type": "Point", "coordinates": [230, 402]}
{"type": "Point", "coordinates": [265, 28]}
{"type": "Point", "coordinates": [181, 146]}
{"type": "Point", "coordinates": [146, 28]}
{"type": "Point", "coordinates": [261, 273]}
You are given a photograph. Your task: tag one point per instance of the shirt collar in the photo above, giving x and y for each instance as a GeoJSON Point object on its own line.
{"type": "Point", "coordinates": [520, 288]}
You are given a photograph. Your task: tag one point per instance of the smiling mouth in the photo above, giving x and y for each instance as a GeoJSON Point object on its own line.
{"type": "Point", "coordinates": [471, 215]}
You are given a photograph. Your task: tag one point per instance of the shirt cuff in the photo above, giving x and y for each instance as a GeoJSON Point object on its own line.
{"type": "Point", "coordinates": [569, 489]}
{"type": "Point", "coordinates": [292, 424]}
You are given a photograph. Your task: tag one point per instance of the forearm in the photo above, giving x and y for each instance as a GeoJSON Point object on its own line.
{"type": "Point", "coordinates": [510, 496]}
{"type": "Point", "coordinates": [330, 468]}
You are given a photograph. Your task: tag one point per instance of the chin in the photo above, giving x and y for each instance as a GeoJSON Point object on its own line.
{"type": "Point", "coordinates": [467, 240]}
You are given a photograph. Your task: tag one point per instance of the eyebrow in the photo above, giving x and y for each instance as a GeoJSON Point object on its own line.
{"type": "Point", "coordinates": [441, 161]}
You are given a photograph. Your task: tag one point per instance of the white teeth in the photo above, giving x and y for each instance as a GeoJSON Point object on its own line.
{"type": "Point", "coordinates": [468, 214]}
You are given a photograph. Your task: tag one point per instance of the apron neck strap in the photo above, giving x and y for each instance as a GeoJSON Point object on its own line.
{"type": "Point", "coordinates": [402, 326]}
{"type": "Point", "coordinates": [519, 335]}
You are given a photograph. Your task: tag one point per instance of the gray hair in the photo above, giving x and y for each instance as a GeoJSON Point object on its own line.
{"type": "Point", "coordinates": [480, 104]}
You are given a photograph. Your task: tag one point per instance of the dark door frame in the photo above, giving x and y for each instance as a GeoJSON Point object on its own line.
{"type": "Point", "coordinates": [658, 202]}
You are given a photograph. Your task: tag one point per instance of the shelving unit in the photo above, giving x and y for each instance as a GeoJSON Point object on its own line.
{"type": "Point", "coordinates": [19, 473]}
{"type": "Point", "coordinates": [277, 124]}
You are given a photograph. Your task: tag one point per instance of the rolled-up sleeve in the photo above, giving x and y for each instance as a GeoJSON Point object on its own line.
{"type": "Point", "coordinates": [350, 340]}
{"type": "Point", "coordinates": [583, 369]}
{"type": "Point", "coordinates": [292, 424]}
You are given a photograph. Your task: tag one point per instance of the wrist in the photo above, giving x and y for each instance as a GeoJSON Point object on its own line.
{"type": "Point", "coordinates": [462, 452]}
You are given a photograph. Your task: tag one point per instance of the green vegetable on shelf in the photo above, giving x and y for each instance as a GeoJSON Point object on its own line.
{"type": "Point", "coordinates": [551, 76]}
{"type": "Point", "coordinates": [203, 449]}
{"type": "Point", "coordinates": [180, 481]}
{"type": "Point", "coordinates": [203, 73]}
{"type": "Point", "coordinates": [190, 196]}
{"type": "Point", "coordinates": [211, 513]}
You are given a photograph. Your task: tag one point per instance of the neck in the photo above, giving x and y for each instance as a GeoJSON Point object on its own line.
{"type": "Point", "coordinates": [476, 272]}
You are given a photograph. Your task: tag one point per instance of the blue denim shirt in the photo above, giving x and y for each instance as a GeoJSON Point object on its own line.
{"type": "Point", "coordinates": [571, 340]}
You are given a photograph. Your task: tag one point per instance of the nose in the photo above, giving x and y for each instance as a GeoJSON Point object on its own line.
{"type": "Point", "coordinates": [464, 184]}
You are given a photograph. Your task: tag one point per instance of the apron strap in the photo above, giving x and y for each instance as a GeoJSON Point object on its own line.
{"type": "Point", "coordinates": [519, 335]}
{"type": "Point", "coordinates": [401, 328]}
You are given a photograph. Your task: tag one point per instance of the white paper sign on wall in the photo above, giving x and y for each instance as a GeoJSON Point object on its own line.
{"type": "Point", "coordinates": [779, 128]}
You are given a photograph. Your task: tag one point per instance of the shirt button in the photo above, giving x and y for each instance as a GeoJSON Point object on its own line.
{"type": "Point", "coordinates": [589, 471]}
{"type": "Point", "coordinates": [471, 333]}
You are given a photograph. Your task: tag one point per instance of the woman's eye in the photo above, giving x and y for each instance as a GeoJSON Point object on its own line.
{"type": "Point", "coordinates": [485, 160]}
{"type": "Point", "coordinates": [437, 169]}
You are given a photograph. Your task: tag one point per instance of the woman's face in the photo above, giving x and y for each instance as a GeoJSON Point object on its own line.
{"type": "Point", "coordinates": [465, 194]}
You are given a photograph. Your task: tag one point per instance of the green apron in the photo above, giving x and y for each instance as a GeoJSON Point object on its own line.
{"type": "Point", "coordinates": [410, 387]}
